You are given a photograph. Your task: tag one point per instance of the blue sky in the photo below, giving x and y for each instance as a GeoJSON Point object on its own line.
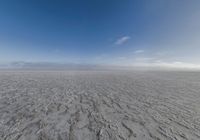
{"type": "Point", "coordinates": [116, 32]}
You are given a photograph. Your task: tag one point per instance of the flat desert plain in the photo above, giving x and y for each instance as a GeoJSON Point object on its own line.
{"type": "Point", "coordinates": [99, 105]}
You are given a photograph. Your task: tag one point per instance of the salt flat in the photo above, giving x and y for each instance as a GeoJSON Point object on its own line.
{"type": "Point", "coordinates": [99, 105]}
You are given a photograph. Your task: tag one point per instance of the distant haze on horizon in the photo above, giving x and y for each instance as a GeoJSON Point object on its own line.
{"type": "Point", "coordinates": [144, 33]}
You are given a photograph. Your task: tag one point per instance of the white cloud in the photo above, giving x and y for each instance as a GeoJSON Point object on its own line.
{"type": "Point", "coordinates": [138, 51]}
{"type": "Point", "coordinates": [170, 65]}
{"type": "Point", "coordinates": [177, 64]}
{"type": "Point", "coordinates": [155, 63]}
{"type": "Point", "coordinates": [122, 40]}
{"type": "Point", "coordinates": [144, 59]}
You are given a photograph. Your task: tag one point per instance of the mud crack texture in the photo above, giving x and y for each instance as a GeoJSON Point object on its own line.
{"type": "Point", "coordinates": [99, 105]}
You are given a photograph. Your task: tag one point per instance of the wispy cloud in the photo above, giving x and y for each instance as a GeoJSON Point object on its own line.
{"type": "Point", "coordinates": [167, 65]}
{"type": "Point", "coordinates": [138, 51]}
{"type": "Point", "coordinates": [155, 63]}
{"type": "Point", "coordinates": [122, 40]}
{"type": "Point", "coordinates": [177, 64]}
{"type": "Point", "coordinates": [144, 59]}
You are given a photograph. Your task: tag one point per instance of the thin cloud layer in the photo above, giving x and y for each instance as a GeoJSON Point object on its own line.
{"type": "Point", "coordinates": [168, 65]}
{"type": "Point", "coordinates": [122, 40]}
{"type": "Point", "coordinates": [138, 51]}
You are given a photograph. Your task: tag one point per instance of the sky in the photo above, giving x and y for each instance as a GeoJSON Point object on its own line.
{"type": "Point", "coordinates": [106, 32]}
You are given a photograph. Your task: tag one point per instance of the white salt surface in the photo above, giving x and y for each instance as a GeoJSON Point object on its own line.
{"type": "Point", "coordinates": [99, 105]}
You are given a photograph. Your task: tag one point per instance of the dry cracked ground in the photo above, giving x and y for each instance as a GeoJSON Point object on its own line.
{"type": "Point", "coordinates": [99, 105]}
